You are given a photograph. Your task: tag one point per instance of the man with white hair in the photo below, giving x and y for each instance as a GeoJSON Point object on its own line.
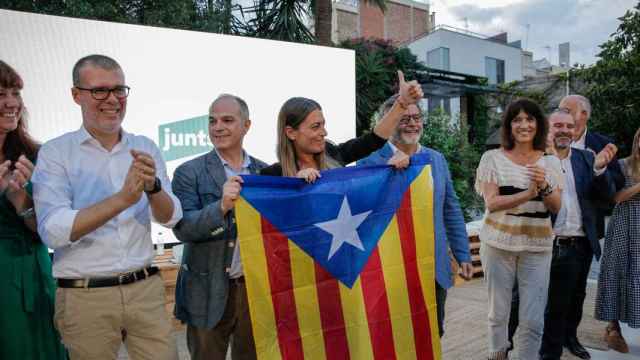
{"type": "Point", "coordinates": [580, 108]}
{"type": "Point", "coordinates": [584, 139]}
{"type": "Point", "coordinates": [449, 224]}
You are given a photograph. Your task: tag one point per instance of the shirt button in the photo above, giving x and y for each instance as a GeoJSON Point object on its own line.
{"type": "Point", "coordinates": [231, 244]}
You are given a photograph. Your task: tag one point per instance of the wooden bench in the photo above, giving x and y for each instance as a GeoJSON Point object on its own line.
{"type": "Point", "coordinates": [169, 274]}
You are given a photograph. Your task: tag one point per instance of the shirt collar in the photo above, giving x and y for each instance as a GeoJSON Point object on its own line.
{"type": "Point", "coordinates": [394, 149]}
{"type": "Point", "coordinates": [83, 136]}
{"type": "Point", "coordinates": [581, 143]}
{"type": "Point", "coordinates": [246, 160]}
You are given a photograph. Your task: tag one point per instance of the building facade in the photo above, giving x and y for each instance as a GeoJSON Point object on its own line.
{"type": "Point", "coordinates": [461, 51]}
{"type": "Point", "coordinates": [403, 20]}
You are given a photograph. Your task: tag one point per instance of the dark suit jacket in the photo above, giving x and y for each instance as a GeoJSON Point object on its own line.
{"type": "Point", "coordinates": [590, 189]}
{"type": "Point", "coordinates": [203, 282]}
{"type": "Point", "coordinates": [596, 142]}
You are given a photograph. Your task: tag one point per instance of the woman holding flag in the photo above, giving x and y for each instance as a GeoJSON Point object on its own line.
{"type": "Point", "coordinates": [302, 150]}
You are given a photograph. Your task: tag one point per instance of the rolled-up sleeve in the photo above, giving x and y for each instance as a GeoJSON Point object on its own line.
{"type": "Point", "coordinates": [52, 197]}
{"type": "Point", "coordinates": [161, 172]}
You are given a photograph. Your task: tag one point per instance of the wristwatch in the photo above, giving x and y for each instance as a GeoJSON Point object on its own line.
{"type": "Point", "coordinates": [546, 191]}
{"type": "Point", "coordinates": [157, 186]}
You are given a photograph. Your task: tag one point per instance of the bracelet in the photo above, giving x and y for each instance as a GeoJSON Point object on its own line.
{"type": "Point", "coordinates": [546, 191]}
{"type": "Point", "coordinates": [402, 105]}
{"type": "Point", "coordinates": [26, 214]}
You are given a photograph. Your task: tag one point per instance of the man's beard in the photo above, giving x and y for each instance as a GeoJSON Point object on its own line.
{"type": "Point", "coordinates": [558, 145]}
{"type": "Point", "coordinates": [397, 137]}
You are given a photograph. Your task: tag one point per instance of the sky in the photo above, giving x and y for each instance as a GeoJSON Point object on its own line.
{"type": "Point", "coordinates": [584, 23]}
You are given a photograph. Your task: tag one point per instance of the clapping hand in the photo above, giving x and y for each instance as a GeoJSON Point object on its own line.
{"type": "Point", "coordinates": [133, 186]}
{"type": "Point", "coordinates": [13, 182]}
{"type": "Point", "coordinates": [605, 156]}
{"type": "Point", "coordinates": [537, 175]}
{"type": "Point", "coordinates": [145, 168]}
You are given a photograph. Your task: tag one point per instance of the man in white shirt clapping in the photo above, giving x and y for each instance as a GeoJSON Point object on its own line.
{"type": "Point", "coordinates": [96, 190]}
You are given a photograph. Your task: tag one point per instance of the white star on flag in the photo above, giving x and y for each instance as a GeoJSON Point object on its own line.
{"type": "Point", "coordinates": [343, 228]}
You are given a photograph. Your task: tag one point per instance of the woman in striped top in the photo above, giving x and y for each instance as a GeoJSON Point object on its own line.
{"type": "Point", "coordinates": [520, 186]}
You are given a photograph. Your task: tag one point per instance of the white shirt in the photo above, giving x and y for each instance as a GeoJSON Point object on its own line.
{"type": "Point", "coordinates": [580, 143]}
{"type": "Point", "coordinates": [569, 220]}
{"type": "Point", "coordinates": [395, 149]}
{"type": "Point", "coordinates": [74, 172]}
{"type": "Point", "coordinates": [236, 265]}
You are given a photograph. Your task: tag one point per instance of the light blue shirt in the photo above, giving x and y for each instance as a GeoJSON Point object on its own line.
{"type": "Point", "coordinates": [235, 270]}
{"type": "Point", "coordinates": [74, 172]}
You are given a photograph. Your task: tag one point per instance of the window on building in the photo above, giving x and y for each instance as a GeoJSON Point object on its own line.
{"type": "Point", "coordinates": [438, 58]}
{"type": "Point", "coordinates": [494, 70]}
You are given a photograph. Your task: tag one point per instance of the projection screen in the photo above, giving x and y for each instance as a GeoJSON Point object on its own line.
{"type": "Point", "coordinates": [174, 75]}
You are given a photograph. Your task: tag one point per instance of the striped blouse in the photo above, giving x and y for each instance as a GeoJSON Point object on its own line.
{"type": "Point", "coordinates": [526, 227]}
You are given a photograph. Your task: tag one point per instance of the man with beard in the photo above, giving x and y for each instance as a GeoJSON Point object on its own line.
{"type": "Point", "coordinates": [576, 242]}
{"type": "Point", "coordinates": [449, 222]}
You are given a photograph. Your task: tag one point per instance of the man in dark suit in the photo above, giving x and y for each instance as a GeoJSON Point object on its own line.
{"type": "Point", "coordinates": [580, 108]}
{"type": "Point", "coordinates": [211, 297]}
{"type": "Point", "coordinates": [586, 179]}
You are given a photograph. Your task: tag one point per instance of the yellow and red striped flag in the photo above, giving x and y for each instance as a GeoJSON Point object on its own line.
{"type": "Point", "coordinates": [343, 268]}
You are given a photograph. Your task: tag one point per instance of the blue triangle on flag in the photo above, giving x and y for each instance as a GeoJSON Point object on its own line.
{"type": "Point", "coordinates": [314, 216]}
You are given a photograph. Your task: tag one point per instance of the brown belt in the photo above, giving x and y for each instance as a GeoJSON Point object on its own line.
{"type": "Point", "coordinates": [122, 279]}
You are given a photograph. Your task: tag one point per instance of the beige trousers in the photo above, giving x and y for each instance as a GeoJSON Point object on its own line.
{"type": "Point", "coordinates": [90, 321]}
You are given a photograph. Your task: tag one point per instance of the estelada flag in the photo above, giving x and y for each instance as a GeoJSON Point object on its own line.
{"type": "Point", "coordinates": [343, 268]}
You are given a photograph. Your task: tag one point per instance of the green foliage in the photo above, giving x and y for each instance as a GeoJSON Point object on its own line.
{"type": "Point", "coordinates": [444, 134]}
{"type": "Point", "coordinates": [281, 20]}
{"type": "Point", "coordinates": [511, 91]}
{"type": "Point", "coordinates": [377, 62]}
{"type": "Point", "coordinates": [613, 83]}
{"type": "Point", "coordinates": [203, 15]}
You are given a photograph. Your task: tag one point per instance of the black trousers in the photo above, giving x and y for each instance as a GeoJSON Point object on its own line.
{"type": "Point", "coordinates": [441, 299]}
{"type": "Point", "coordinates": [567, 289]}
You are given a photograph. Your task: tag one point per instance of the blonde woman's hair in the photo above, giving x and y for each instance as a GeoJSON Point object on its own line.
{"type": "Point", "coordinates": [292, 113]}
{"type": "Point", "coordinates": [633, 161]}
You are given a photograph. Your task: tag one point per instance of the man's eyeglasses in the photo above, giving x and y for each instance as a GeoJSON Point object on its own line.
{"type": "Point", "coordinates": [417, 118]}
{"type": "Point", "coordinates": [120, 92]}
